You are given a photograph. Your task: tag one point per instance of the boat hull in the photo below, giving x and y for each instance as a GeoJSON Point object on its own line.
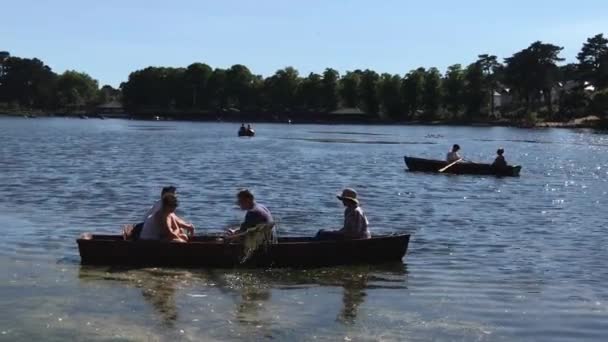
{"type": "Point", "coordinates": [249, 133]}
{"type": "Point", "coordinates": [205, 252]}
{"type": "Point", "coordinates": [463, 168]}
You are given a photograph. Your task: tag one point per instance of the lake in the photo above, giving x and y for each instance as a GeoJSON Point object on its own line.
{"type": "Point", "coordinates": [491, 259]}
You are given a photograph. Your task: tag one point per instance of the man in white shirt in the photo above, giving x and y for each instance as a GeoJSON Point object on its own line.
{"type": "Point", "coordinates": [454, 155]}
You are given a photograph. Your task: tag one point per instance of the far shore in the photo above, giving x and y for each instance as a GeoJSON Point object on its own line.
{"type": "Point", "coordinates": [591, 122]}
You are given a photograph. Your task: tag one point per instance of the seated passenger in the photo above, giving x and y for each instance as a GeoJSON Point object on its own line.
{"type": "Point", "coordinates": [135, 232]}
{"type": "Point", "coordinates": [355, 222]}
{"type": "Point", "coordinates": [256, 213]}
{"type": "Point", "coordinates": [500, 161]}
{"type": "Point", "coordinates": [157, 205]}
{"type": "Point", "coordinates": [453, 155]}
{"type": "Point", "coordinates": [242, 130]}
{"type": "Point", "coordinates": [164, 224]}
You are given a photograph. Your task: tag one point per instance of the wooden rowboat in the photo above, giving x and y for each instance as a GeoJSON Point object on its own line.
{"type": "Point", "coordinates": [247, 133]}
{"type": "Point", "coordinates": [207, 252]}
{"type": "Point", "coordinates": [462, 168]}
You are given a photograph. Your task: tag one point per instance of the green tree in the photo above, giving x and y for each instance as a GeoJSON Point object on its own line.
{"type": "Point", "coordinates": [311, 92]}
{"type": "Point", "coordinates": [412, 89]}
{"type": "Point", "coordinates": [474, 91]}
{"type": "Point", "coordinates": [27, 82]}
{"type": "Point", "coordinates": [239, 86]}
{"type": "Point", "coordinates": [216, 90]}
{"type": "Point", "coordinates": [368, 88]}
{"type": "Point", "coordinates": [107, 93]}
{"type": "Point", "coordinates": [533, 72]}
{"type": "Point", "coordinates": [197, 77]}
{"type": "Point", "coordinates": [453, 87]}
{"type": "Point", "coordinates": [4, 55]}
{"type": "Point", "coordinates": [349, 88]}
{"type": "Point", "coordinates": [390, 96]}
{"type": "Point", "coordinates": [490, 66]}
{"type": "Point", "coordinates": [76, 90]}
{"type": "Point", "coordinates": [281, 89]}
{"type": "Point", "coordinates": [431, 95]}
{"type": "Point", "coordinates": [153, 89]}
{"type": "Point", "coordinates": [330, 98]}
{"type": "Point", "coordinates": [593, 61]}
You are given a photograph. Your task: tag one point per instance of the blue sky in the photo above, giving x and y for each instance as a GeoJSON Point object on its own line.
{"type": "Point", "coordinates": [110, 38]}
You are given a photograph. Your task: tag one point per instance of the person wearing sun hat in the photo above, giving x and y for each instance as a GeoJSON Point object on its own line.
{"type": "Point", "coordinates": [355, 223]}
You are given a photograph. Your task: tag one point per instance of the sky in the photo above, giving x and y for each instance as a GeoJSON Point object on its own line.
{"type": "Point", "coordinates": [109, 39]}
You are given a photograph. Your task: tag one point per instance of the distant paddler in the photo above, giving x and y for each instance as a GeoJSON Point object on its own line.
{"type": "Point", "coordinates": [242, 130]}
{"type": "Point", "coordinates": [453, 155]}
{"type": "Point", "coordinates": [500, 162]}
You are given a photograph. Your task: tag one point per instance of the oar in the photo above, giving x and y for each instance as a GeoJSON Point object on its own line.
{"type": "Point", "coordinates": [450, 165]}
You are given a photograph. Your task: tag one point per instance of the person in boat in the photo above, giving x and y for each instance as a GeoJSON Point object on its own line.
{"type": "Point", "coordinates": [355, 222]}
{"type": "Point", "coordinates": [135, 233]}
{"type": "Point", "coordinates": [256, 213]}
{"type": "Point", "coordinates": [158, 204]}
{"type": "Point", "coordinates": [500, 161]}
{"type": "Point", "coordinates": [242, 130]}
{"type": "Point", "coordinates": [454, 155]}
{"type": "Point", "coordinates": [164, 223]}
{"type": "Point", "coordinates": [250, 130]}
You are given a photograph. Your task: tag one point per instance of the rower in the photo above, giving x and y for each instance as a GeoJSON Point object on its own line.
{"type": "Point", "coordinates": [355, 223]}
{"type": "Point", "coordinates": [242, 130]}
{"type": "Point", "coordinates": [250, 130]}
{"type": "Point", "coordinates": [500, 161]}
{"type": "Point", "coordinates": [256, 213]}
{"type": "Point", "coordinates": [454, 155]}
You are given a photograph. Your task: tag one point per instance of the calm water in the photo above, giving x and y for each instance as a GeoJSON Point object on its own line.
{"type": "Point", "coordinates": [491, 259]}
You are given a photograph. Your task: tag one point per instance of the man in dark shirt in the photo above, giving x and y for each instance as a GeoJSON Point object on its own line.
{"type": "Point", "coordinates": [256, 213]}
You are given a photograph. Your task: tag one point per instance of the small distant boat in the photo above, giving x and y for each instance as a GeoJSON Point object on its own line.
{"type": "Point", "coordinates": [462, 168]}
{"type": "Point", "coordinates": [247, 133]}
{"type": "Point", "coordinates": [157, 118]}
{"type": "Point", "coordinates": [83, 116]}
{"type": "Point", "coordinates": [205, 251]}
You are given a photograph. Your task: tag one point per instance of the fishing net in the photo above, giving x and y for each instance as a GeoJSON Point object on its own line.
{"type": "Point", "coordinates": [260, 236]}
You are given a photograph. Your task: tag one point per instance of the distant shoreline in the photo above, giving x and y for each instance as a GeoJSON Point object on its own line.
{"type": "Point", "coordinates": [590, 122]}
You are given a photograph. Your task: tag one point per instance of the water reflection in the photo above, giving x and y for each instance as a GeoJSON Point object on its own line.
{"type": "Point", "coordinates": [160, 292]}
{"type": "Point", "coordinates": [171, 292]}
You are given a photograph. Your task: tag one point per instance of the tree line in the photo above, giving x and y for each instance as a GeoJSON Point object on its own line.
{"type": "Point", "coordinates": [531, 82]}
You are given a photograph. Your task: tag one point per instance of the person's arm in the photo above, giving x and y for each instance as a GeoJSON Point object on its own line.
{"type": "Point", "coordinates": [189, 227]}
{"type": "Point", "coordinates": [172, 228]}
